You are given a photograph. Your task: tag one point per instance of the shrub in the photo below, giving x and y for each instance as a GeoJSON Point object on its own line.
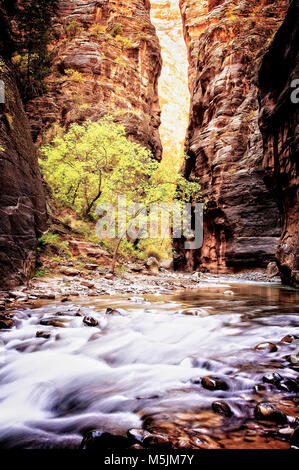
{"type": "Point", "coordinates": [117, 30]}
{"type": "Point", "coordinates": [125, 42]}
{"type": "Point", "coordinates": [74, 76]}
{"type": "Point", "coordinates": [73, 28]}
{"type": "Point", "coordinates": [96, 30]}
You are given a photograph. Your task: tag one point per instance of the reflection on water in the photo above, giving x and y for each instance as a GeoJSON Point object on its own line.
{"type": "Point", "coordinates": [144, 361]}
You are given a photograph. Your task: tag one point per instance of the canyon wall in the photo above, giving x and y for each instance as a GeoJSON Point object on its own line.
{"type": "Point", "coordinates": [106, 59]}
{"type": "Point", "coordinates": [279, 100]}
{"type": "Point", "coordinates": [22, 203]}
{"type": "Point", "coordinates": [226, 42]}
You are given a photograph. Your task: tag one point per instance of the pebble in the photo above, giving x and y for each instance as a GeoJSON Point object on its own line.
{"type": "Point", "coordinates": [222, 408]}
{"type": "Point", "coordinates": [269, 412]}
{"type": "Point", "coordinates": [47, 296]}
{"type": "Point", "coordinates": [228, 292]}
{"type": "Point", "coordinates": [91, 267]}
{"type": "Point", "coordinates": [289, 385]}
{"type": "Point", "coordinates": [52, 322]}
{"type": "Point", "coordinates": [69, 271]}
{"type": "Point", "coordinates": [270, 347]}
{"type": "Point", "coordinates": [6, 323]}
{"type": "Point", "coordinates": [288, 339]}
{"type": "Point", "coordinates": [196, 312]}
{"type": "Point", "coordinates": [43, 334]}
{"type": "Point", "coordinates": [90, 321]}
{"type": "Point", "coordinates": [273, 379]}
{"type": "Point", "coordinates": [213, 383]}
{"type": "Point", "coordinates": [112, 311]}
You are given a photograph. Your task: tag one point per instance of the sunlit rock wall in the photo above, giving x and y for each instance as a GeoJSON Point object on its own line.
{"type": "Point", "coordinates": [174, 94]}
{"type": "Point", "coordinates": [113, 49]}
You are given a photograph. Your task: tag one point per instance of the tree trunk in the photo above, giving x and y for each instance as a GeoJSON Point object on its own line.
{"type": "Point", "coordinates": [113, 262]}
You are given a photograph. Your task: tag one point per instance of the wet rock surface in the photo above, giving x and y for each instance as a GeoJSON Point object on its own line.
{"type": "Point", "coordinates": [133, 378]}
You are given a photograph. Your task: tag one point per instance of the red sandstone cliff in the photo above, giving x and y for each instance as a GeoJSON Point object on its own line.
{"type": "Point", "coordinates": [22, 202]}
{"type": "Point", "coordinates": [280, 128]}
{"type": "Point", "coordinates": [227, 41]}
{"type": "Point", "coordinates": [106, 59]}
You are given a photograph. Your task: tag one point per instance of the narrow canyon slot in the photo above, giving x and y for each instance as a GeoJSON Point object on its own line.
{"type": "Point", "coordinates": [173, 88]}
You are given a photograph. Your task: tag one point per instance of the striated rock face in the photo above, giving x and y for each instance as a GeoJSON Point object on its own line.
{"type": "Point", "coordinates": [279, 124]}
{"type": "Point", "coordinates": [106, 59]}
{"type": "Point", "coordinates": [22, 202]}
{"type": "Point", "coordinates": [226, 42]}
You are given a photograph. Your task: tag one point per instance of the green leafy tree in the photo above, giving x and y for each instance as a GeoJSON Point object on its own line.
{"type": "Point", "coordinates": [95, 162]}
{"type": "Point", "coordinates": [34, 31]}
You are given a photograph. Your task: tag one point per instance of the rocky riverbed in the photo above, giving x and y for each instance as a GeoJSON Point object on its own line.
{"type": "Point", "coordinates": [149, 361]}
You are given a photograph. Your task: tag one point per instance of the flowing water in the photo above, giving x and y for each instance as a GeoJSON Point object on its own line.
{"type": "Point", "coordinates": [141, 362]}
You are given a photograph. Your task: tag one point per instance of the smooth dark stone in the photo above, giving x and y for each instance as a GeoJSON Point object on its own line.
{"type": "Point", "coordinates": [289, 385]}
{"type": "Point", "coordinates": [43, 334]}
{"type": "Point", "coordinates": [270, 347]}
{"type": "Point", "coordinates": [273, 379]}
{"type": "Point", "coordinates": [268, 412]}
{"type": "Point", "coordinates": [288, 339]}
{"type": "Point", "coordinates": [213, 383]}
{"type": "Point", "coordinates": [6, 323]}
{"type": "Point", "coordinates": [222, 408]}
{"type": "Point", "coordinates": [52, 322]}
{"type": "Point", "coordinates": [90, 321]}
{"type": "Point", "coordinates": [112, 311]}
{"type": "Point", "coordinates": [260, 388]}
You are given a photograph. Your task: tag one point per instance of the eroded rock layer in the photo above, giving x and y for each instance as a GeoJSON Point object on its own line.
{"type": "Point", "coordinates": [279, 99]}
{"type": "Point", "coordinates": [22, 202]}
{"type": "Point", "coordinates": [106, 59]}
{"type": "Point", "coordinates": [226, 42]}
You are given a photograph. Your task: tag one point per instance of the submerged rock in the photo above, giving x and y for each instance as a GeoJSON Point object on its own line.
{"type": "Point", "coordinates": [288, 339]}
{"type": "Point", "coordinates": [112, 311]}
{"type": "Point", "coordinates": [295, 438]}
{"type": "Point", "coordinates": [269, 412]}
{"type": "Point", "coordinates": [222, 408]}
{"type": "Point", "coordinates": [90, 321]}
{"type": "Point", "coordinates": [43, 334]}
{"type": "Point", "coordinates": [273, 379]}
{"type": "Point", "coordinates": [57, 322]}
{"type": "Point", "coordinates": [270, 347]}
{"type": "Point", "coordinates": [213, 383]}
{"type": "Point", "coordinates": [6, 323]}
